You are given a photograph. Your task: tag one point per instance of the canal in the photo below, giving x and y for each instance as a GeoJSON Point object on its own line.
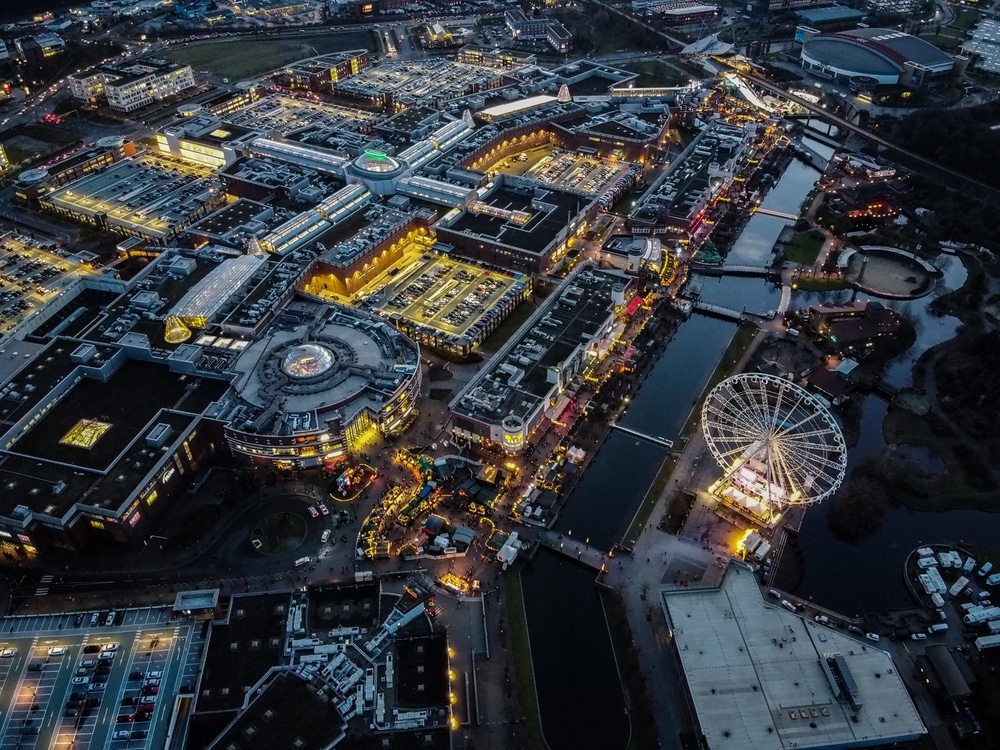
{"type": "Point", "coordinates": [563, 609]}
{"type": "Point", "coordinates": [576, 676]}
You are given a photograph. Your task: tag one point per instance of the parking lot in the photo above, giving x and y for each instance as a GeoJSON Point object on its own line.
{"type": "Point", "coordinates": [30, 274]}
{"type": "Point", "coordinates": [568, 170]}
{"type": "Point", "coordinates": [104, 680]}
{"type": "Point", "coordinates": [444, 294]}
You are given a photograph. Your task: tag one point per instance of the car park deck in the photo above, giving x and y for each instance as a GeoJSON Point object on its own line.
{"type": "Point", "coordinates": [44, 708]}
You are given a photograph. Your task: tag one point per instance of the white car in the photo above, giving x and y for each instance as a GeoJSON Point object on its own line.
{"type": "Point", "coordinates": [872, 637]}
{"type": "Point", "coordinates": [122, 734]}
{"type": "Point", "coordinates": [7, 653]}
{"type": "Point", "coordinates": [80, 680]}
{"type": "Point", "coordinates": [313, 512]}
{"type": "Point", "coordinates": [919, 636]}
{"type": "Point", "coordinates": [324, 510]}
{"type": "Point", "coordinates": [110, 646]}
{"type": "Point", "coordinates": [57, 651]}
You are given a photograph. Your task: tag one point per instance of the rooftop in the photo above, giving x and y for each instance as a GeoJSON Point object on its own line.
{"type": "Point", "coordinates": [518, 380]}
{"type": "Point", "coordinates": [758, 675]}
{"type": "Point", "coordinates": [242, 649]}
{"type": "Point", "coordinates": [498, 216]}
{"type": "Point", "coordinates": [291, 711]}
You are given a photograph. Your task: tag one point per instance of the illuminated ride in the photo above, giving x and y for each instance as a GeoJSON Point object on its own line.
{"type": "Point", "coordinates": [777, 444]}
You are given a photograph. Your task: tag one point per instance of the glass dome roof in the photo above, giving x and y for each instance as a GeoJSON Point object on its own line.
{"type": "Point", "coordinates": [307, 361]}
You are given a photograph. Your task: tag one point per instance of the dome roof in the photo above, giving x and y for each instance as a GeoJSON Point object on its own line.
{"type": "Point", "coordinates": [375, 162]}
{"type": "Point", "coordinates": [307, 361]}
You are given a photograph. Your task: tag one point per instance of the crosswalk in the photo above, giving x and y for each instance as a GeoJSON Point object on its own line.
{"type": "Point", "coordinates": [43, 585]}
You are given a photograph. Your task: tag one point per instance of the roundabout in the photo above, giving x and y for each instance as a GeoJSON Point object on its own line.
{"type": "Point", "coordinates": [279, 533]}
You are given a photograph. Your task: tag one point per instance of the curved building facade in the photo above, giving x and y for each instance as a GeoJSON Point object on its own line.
{"type": "Point", "coordinates": [317, 392]}
{"type": "Point", "coordinates": [888, 56]}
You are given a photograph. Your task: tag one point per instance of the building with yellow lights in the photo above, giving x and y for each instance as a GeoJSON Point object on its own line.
{"type": "Point", "coordinates": [97, 446]}
{"type": "Point", "coordinates": [534, 375]}
{"type": "Point", "coordinates": [133, 85]}
{"type": "Point", "coordinates": [323, 72]}
{"type": "Point", "coordinates": [311, 394]}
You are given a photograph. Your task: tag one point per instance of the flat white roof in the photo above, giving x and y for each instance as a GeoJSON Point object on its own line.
{"type": "Point", "coordinates": [518, 106]}
{"type": "Point", "coordinates": [755, 676]}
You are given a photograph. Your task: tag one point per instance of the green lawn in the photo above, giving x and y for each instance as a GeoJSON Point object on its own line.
{"type": "Point", "coordinates": [945, 40]}
{"type": "Point", "coordinates": [524, 675]}
{"type": "Point", "coordinates": [509, 326]}
{"type": "Point", "coordinates": [805, 247]}
{"type": "Point", "coordinates": [649, 502]}
{"type": "Point", "coordinates": [656, 73]}
{"type": "Point", "coordinates": [644, 731]}
{"type": "Point", "coordinates": [965, 18]}
{"type": "Point", "coordinates": [242, 58]}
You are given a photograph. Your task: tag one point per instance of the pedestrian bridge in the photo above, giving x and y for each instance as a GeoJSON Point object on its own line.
{"type": "Point", "coordinates": [729, 313]}
{"type": "Point", "coordinates": [779, 214]}
{"type": "Point", "coordinates": [575, 549]}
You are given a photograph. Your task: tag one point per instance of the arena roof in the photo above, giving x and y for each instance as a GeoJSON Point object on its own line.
{"type": "Point", "coordinates": [755, 673]}
{"type": "Point", "coordinates": [875, 51]}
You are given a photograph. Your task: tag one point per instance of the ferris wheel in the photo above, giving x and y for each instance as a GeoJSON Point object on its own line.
{"type": "Point", "coordinates": [777, 443]}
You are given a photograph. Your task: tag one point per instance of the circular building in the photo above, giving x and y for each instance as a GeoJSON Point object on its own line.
{"type": "Point", "coordinates": [378, 171]}
{"type": "Point", "coordinates": [888, 56]}
{"type": "Point", "coordinates": [312, 394]}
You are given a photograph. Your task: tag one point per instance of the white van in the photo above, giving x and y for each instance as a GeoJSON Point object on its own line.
{"type": "Point", "coordinates": [301, 561]}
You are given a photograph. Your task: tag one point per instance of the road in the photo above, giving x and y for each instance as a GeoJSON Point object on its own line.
{"type": "Point", "coordinates": [857, 129]}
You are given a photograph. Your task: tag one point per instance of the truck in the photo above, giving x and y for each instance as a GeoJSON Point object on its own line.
{"type": "Point", "coordinates": [957, 586]}
{"type": "Point", "coordinates": [937, 628]}
{"type": "Point", "coordinates": [938, 600]}
{"type": "Point", "coordinates": [993, 626]}
{"type": "Point", "coordinates": [993, 580]}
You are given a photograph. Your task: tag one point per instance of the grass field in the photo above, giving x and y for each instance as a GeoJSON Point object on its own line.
{"type": "Point", "coordinates": [509, 326]}
{"type": "Point", "coordinates": [248, 57]}
{"type": "Point", "coordinates": [804, 247]}
{"type": "Point", "coordinates": [524, 675]}
{"type": "Point", "coordinates": [656, 73]}
{"type": "Point", "coordinates": [966, 18]}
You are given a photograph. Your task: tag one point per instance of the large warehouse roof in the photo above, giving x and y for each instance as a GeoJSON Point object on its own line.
{"type": "Point", "coordinates": [875, 51]}
{"type": "Point", "coordinates": [762, 677]}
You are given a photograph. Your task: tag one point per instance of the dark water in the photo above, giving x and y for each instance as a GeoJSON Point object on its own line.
{"type": "Point", "coordinates": [739, 292]}
{"type": "Point", "coordinates": [754, 245]}
{"type": "Point", "coordinates": [579, 689]}
{"type": "Point", "coordinates": [867, 576]}
{"type": "Point", "coordinates": [604, 502]}
{"type": "Point", "coordinates": [669, 392]}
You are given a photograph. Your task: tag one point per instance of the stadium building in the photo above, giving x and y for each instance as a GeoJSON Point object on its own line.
{"type": "Point", "coordinates": [886, 56]}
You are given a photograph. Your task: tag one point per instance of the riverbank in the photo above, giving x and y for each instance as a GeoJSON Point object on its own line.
{"type": "Point", "coordinates": [526, 698]}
